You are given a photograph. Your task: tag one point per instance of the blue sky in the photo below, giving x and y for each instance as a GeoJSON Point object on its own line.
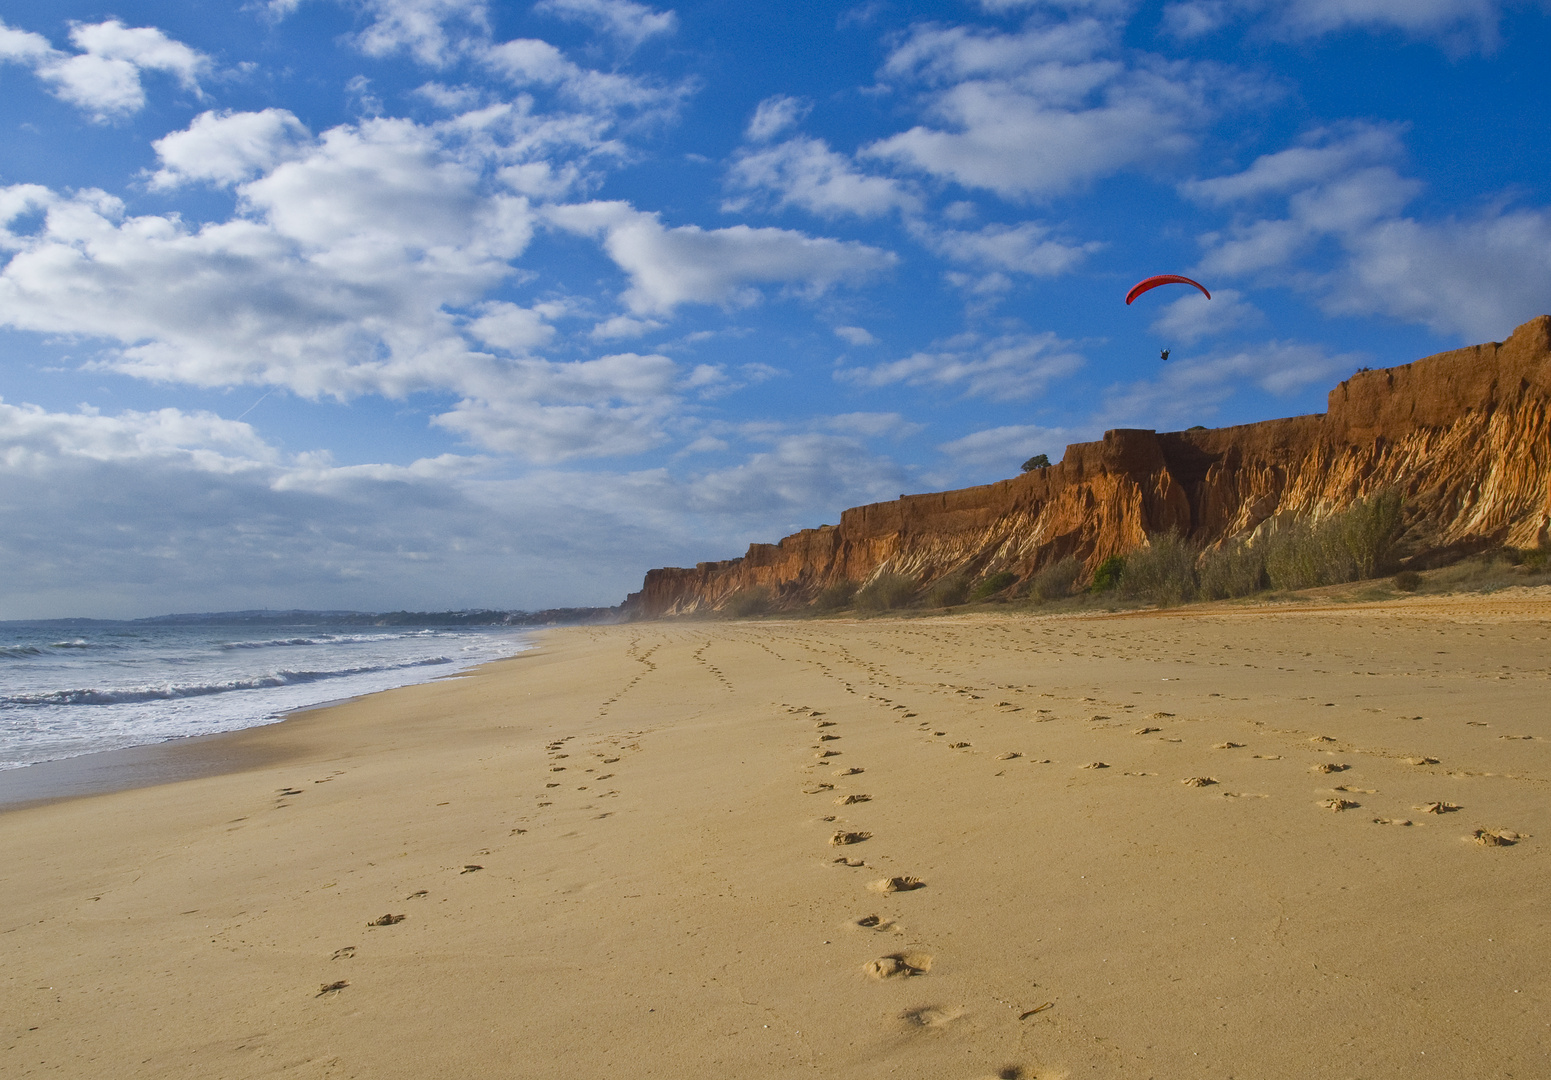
{"type": "Point", "coordinates": [442, 303]}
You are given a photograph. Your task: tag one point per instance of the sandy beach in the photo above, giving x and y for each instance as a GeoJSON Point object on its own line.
{"type": "Point", "coordinates": [1238, 842]}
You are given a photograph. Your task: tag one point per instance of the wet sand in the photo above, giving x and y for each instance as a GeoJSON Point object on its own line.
{"type": "Point", "coordinates": [1258, 843]}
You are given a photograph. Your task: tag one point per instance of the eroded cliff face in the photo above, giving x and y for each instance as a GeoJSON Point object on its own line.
{"type": "Point", "coordinates": [1465, 435]}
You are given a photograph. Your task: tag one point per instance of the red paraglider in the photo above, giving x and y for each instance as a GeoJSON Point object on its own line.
{"type": "Point", "coordinates": [1163, 279]}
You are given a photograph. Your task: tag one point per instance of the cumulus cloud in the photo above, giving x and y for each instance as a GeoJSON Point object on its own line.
{"type": "Point", "coordinates": [1025, 248]}
{"type": "Point", "coordinates": [1008, 446]}
{"type": "Point", "coordinates": [103, 77]}
{"type": "Point", "coordinates": [335, 282]}
{"type": "Point", "coordinates": [1459, 23]}
{"type": "Point", "coordinates": [1010, 367]}
{"type": "Point", "coordinates": [627, 22]}
{"type": "Point", "coordinates": [806, 173]}
{"type": "Point", "coordinates": [1192, 316]}
{"type": "Point", "coordinates": [775, 115]}
{"type": "Point", "coordinates": [1041, 110]}
{"type": "Point", "coordinates": [434, 32]}
{"type": "Point", "coordinates": [669, 267]}
{"type": "Point", "coordinates": [1474, 276]}
{"type": "Point", "coordinates": [224, 148]}
{"type": "Point", "coordinates": [855, 335]}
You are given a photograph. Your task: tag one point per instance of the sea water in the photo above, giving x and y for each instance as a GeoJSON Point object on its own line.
{"type": "Point", "coordinates": [75, 688]}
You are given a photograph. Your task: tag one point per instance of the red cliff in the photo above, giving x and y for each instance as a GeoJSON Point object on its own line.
{"type": "Point", "coordinates": [1464, 435]}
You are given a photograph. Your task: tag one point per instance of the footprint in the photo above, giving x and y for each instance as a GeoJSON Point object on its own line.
{"type": "Point", "coordinates": [418, 893]}
{"type": "Point", "coordinates": [846, 861]}
{"type": "Point", "coordinates": [1391, 821]}
{"type": "Point", "coordinates": [852, 771]}
{"type": "Point", "coordinates": [1227, 746]}
{"type": "Point", "coordinates": [1199, 781]}
{"type": "Point", "coordinates": [828, 738]}
{"type": "Point", "coordinates": [1008, 756]}
{"type": "Point", "coordinates": [820, 786]}
{"type": "Point", "coordinates": [1496, 837]}
{"type": "Point", "coordinates": [1337, 805]}
{"type": "Point", "coordinates": [1437, 808]}
{"type": "Point", "coordinates": [1329, 767]}
{"type": "Point", "coordinates": [1268, 757]}
{"type": "Point", "coordinates": [842, 838]}
{"type": "Point", "coordinates": [470, 868]}
{"type": "Point", "coordinates": [958, 746]}
{"type": "Point", "coordinates": [930, 1016]}
{"type": "Point", "coordinates": [329, 988]}
{"type": "Point", "coordinates": [899, 965]}
{"type": "Point", "coordinates": [1321, 738]}
{"type": "Point", "coordinates": [1097, 765]}
{"type": "Point", "coordinates": [343, 954]}
{"type": "Point", "coordinates": [1421, 761]}
{"type": "Point", "coordinates": [873, 922]}
{"type": "Point", "coordinates": [1145, 730]}
{"type": "Point", "coordinates": [897, 884]}
{"type": "Point", "coordinates": [1160, 716]}
{"type": "Point", "coordinates": [847, 800]}
{"type": "Point", "coordinates": [386, 920]}
{"type": "Point", "coordinates": [827, 753]}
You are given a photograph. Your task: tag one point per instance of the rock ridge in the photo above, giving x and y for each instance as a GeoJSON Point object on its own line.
{"type": "Point", "coordinates": [1465, 436]}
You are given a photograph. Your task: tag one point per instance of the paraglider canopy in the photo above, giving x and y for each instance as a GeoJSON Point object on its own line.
{"type": "Point", "coordinates": [1162, 279]}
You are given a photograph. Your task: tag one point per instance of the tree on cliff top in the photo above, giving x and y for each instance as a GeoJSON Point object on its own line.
{"type": "Point", "coordinates": [1038, 461]}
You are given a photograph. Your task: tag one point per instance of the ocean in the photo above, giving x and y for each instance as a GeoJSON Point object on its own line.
{"type": "Point", "coordinates": [72, 688]}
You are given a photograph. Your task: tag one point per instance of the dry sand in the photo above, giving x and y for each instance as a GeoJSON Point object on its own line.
{"type": "Point", "coordinates": [617, 857]}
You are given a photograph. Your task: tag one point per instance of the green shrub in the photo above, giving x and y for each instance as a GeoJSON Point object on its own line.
{"type": "Point", "coordinates": [1109, 573]}
{"type": "Point", "coordinates": [835, 597]}
{"type": "Point", "coordinates": [1533, 559]}
{"type": "Point", "coordinates": [1055, 581]}
{"type": "Point", "coordinates": [1237, 570]}
{"type": "Point", "coordinates": [748, 602]}
{"type": "Point", "coordinates": [1408, 581]}
{"type": "Point", "coordinates": [1369, 529]}
{"type": "Point", "coordinates": [1163, 572]}
{"type": "Point", "coordinates": [1038, 461]}
{"type": "Point", "coordinates": [949, 591]}
{"type": "Point", "coordinates": [886, 592]}
{"type": "Point", "coordinates": [995, 583]}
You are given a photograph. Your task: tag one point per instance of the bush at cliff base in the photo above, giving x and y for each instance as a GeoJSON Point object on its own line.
{"type": "Point", "coordinates": [886, 592]}
{"type": "Point", "coordinates": [995, 583]}
{"type": "Point", "coordinates": [1055, 581]}
{"type": "Point", "coordinates": [835, 597]}
{"type": "Point", "coordinates": [949, 592]}
{"type": "Point", "coordinates": [1230, 571]}
{"type": "Point", "coordinates": [749, 602]}
{"type": "Point", "coordinates": [1163, 572]}
{"type": "Point", "coordinates": [1109, 573]}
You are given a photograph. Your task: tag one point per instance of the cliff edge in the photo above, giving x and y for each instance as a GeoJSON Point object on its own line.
{"type": "Point", "coordinates": [1464, 435]}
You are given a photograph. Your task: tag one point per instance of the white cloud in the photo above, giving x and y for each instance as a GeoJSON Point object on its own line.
{"type": "Point", "coordinates": [529, 62]}
{"type": "Point", "coordinates": [1475, 276]}
{"type": "Point", "coordinates": [334, 282]}
{"type": "Point", "coordinates": [623, 326]}
{"type": "Point", "coordinates": [103, 78]}
{"type": "Point", "coordinates": [512, 328]}
{"type": "Point", "coordinates": [775, 115]}
{"type": "Point", "coordinates": [1009, 446]}
{"type": "Point", "coordinates": [434, 32]}
{"type": "Point", "coordinates": [855, 335]}
{"type": "Point", "coordinates": [225, 148]}
{"type": "Point", "coordinates": [1010, 367]}
{"type": "Point", "coordinates": [1189, 390]}
{"type": "Point", "coordinates": [1025, 248]}
{"type": "Point", "coordinates": [1192, 316]}
{"type": "Point", "coordinates": [1458, 23]}
{"type": "Point", "coordinates": [626, 21]}
{"type": "Point", "coordinates": [668, 267]}
{"type": "Point", "coordinates": [1042, 110]}
{"type": "Point", "coordinates": [807, 173]}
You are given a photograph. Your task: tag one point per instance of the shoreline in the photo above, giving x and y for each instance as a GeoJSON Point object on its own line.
{"type": "Point", "coordinates": [127, 768]}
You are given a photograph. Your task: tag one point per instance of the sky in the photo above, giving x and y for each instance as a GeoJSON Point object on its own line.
{"type": "Point", "coordinates": [431, 304]}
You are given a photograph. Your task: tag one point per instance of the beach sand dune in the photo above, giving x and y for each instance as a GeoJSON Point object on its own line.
{"type": "Point", "coordinates": [1235, 843]}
